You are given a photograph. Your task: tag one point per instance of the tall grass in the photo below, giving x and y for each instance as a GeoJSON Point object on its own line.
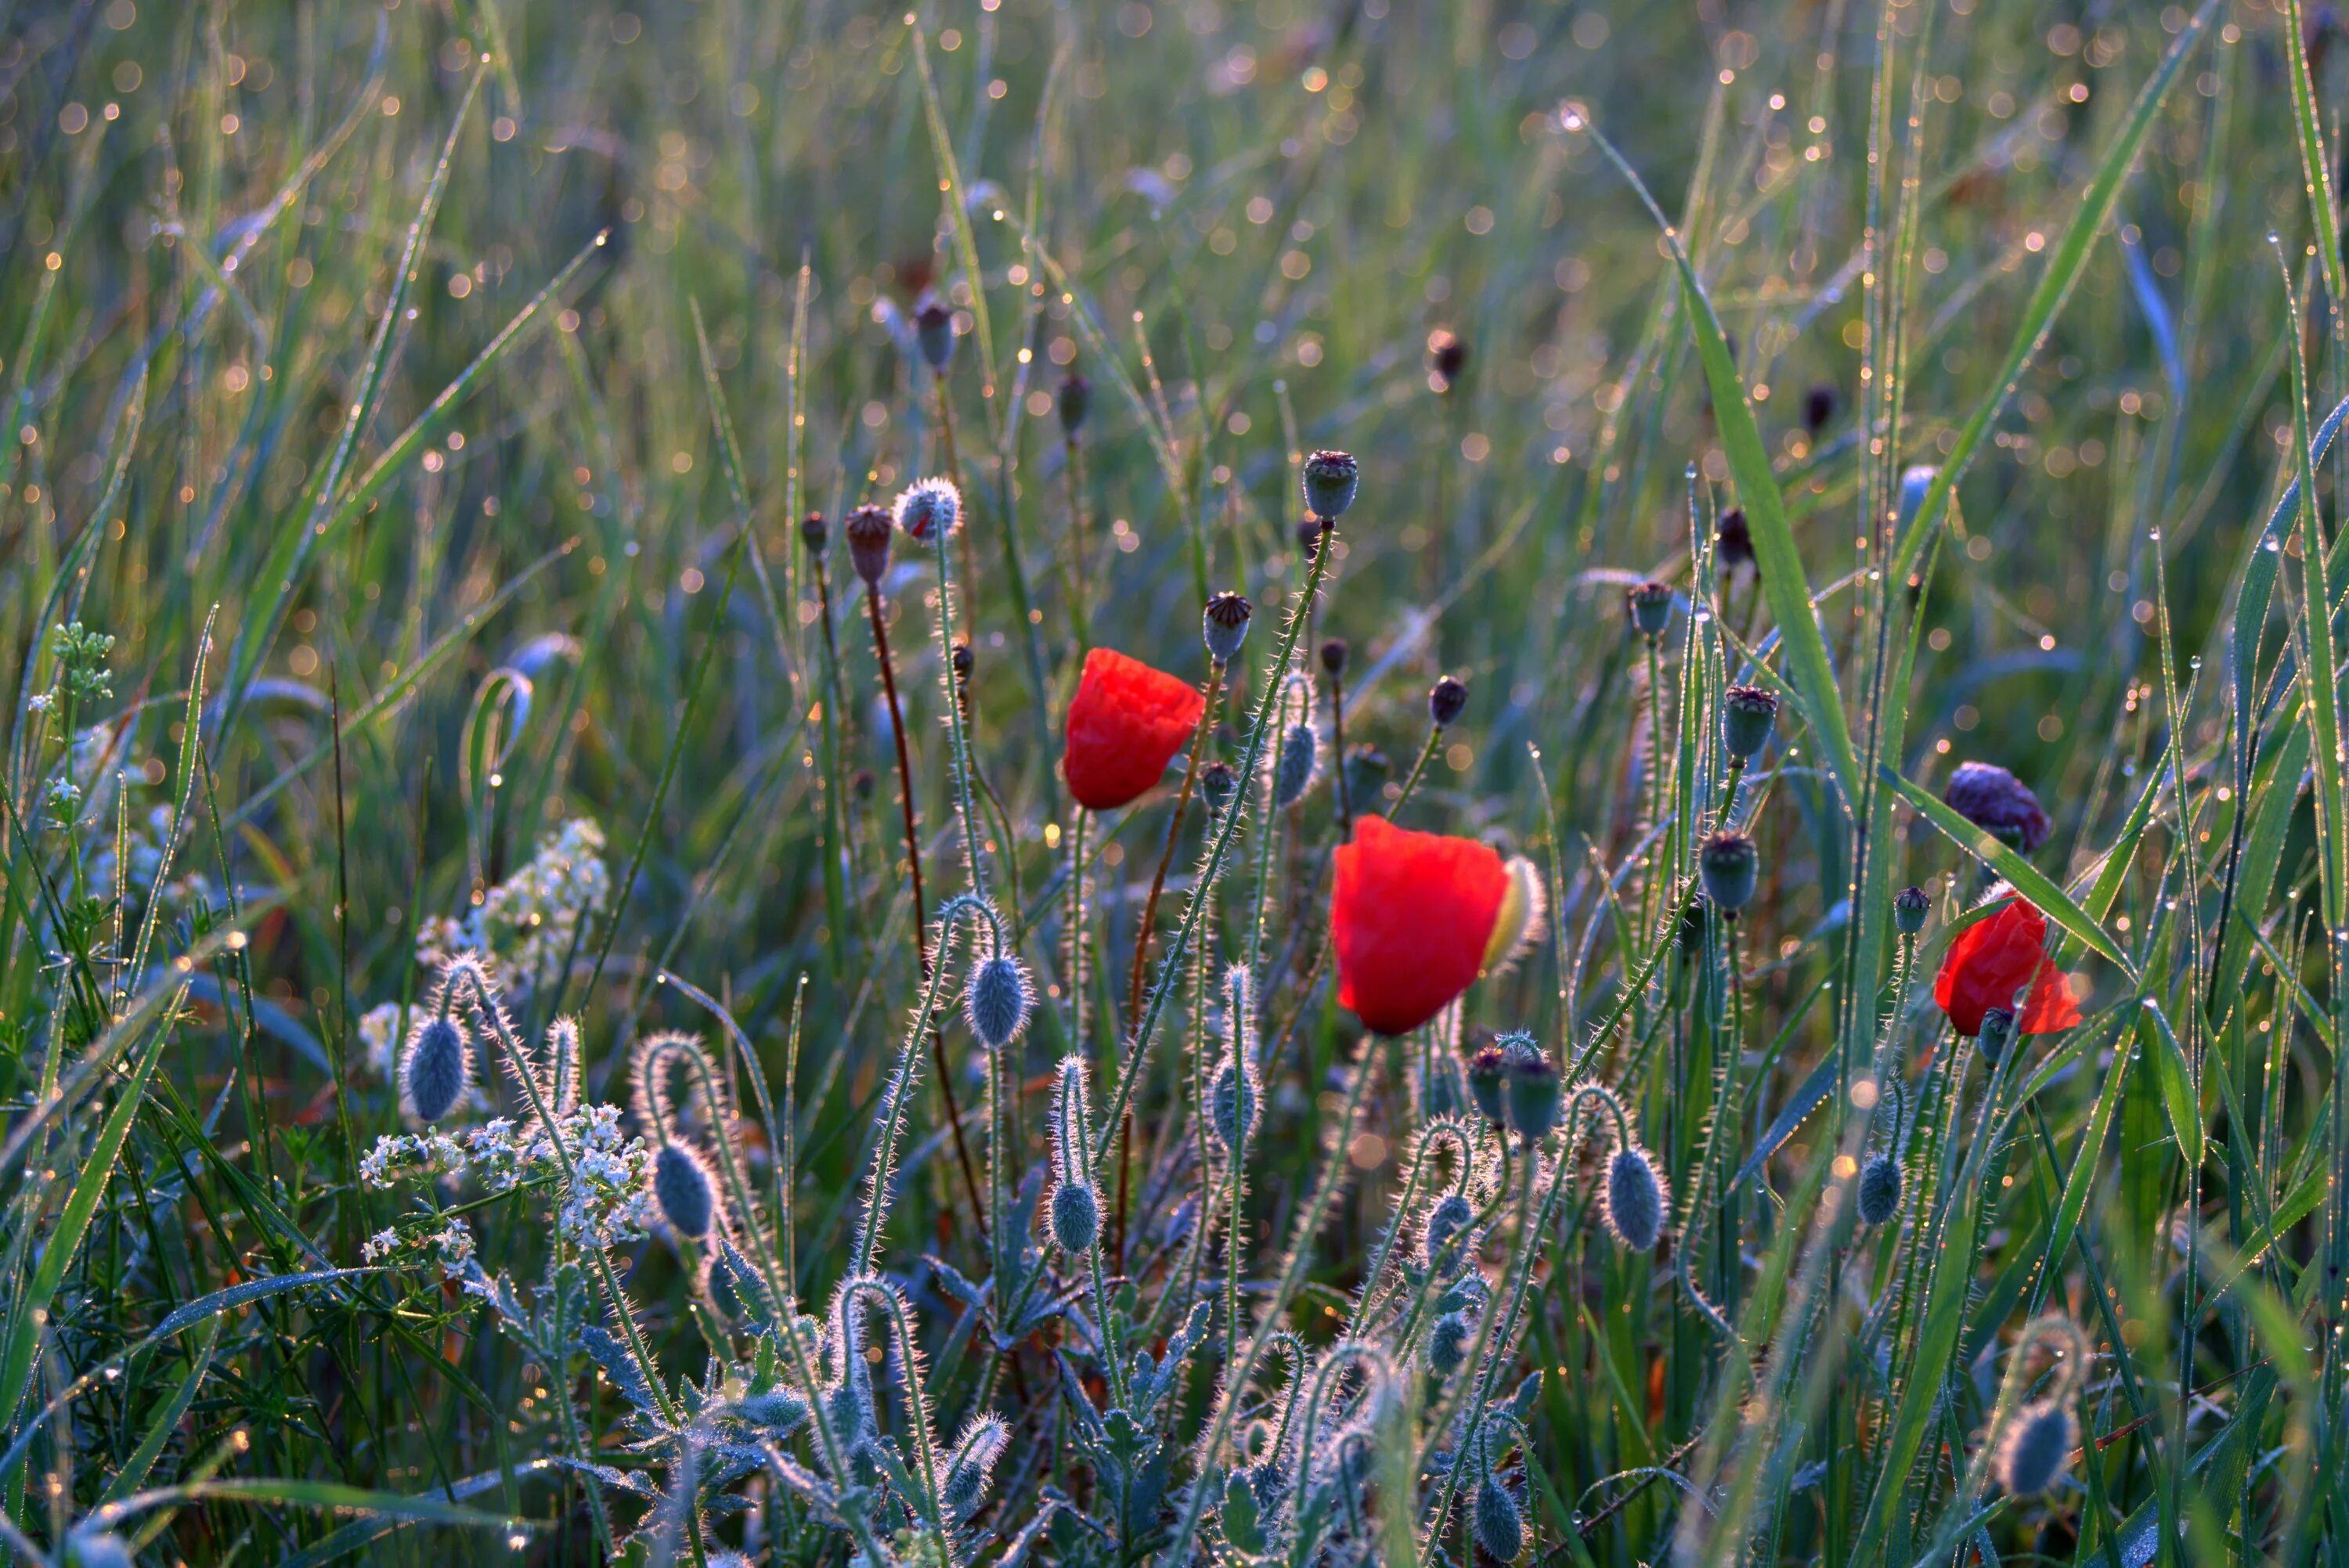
{"type": "Point", "coordinates": [863, 1151]}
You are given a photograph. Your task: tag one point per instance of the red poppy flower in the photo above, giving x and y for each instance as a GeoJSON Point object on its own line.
{"type": "Point", "coordinates": [1125, 725]}
{"type": "Point", "coordinates": [1994, 958]}
{"type": "Point", "coordinates": [1417, 917]}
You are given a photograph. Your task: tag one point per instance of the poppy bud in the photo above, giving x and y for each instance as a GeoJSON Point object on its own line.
{"type": "Point", "coordinates": [1366, 772]}
{"type": "Point", "coordinates": [1333, 657]}
{"type": "Point", "coordinates": [1447, 1344]}
{"type": "Point", "coordinates": [1223, 627]}
{"type": "Point", "coordinates": [1500, 1525]}
{"type": "Point", "coordinates": [1880, 1189]}
{"type": "Point", "coordinates": [1447, 699]}
{"type": "Point", "coordinates": [1076, 1217]}
{"type": "Point", "coordinates": [869, 530]}
{"type": "Point", "coordinates": [997, 1001]}
{"type": "Point", "coordinates": [934, 329]}
{"type": "Point", "coordinates": [1447, 356]}
{"type": "Point", "coordinates": [928, 509]}
{"type": "Point", "coordinates": [437, 1070]}
{"type": "Point", "coordinates": [1691, 925]}
{"type": "Point", "coordinates": [1633, 1200]}
{"type": "Point", "coordinates": [1732, 539]}
{"type": "Point", "coordinates": [1818, 406]}
{"type": "Point", "coordinates": [1218, 783]}
{"type": "Point", "coordinates": [1999, 803]}
{"type": "Point", "coordinates": [973, 1465]}
{"type": "Point", "coordinates": [1731, 866]}
{"type": "Point", "coordinates": [1232, 1112]}
{"type": "Point", "coordinates": [1535, 1095]}
{"type": "Point", "coordinates": [682, 1187]}
{"type": "Point", "coordinates": [1651, 608]}
{"type": "Point", "coordinates": [814, 532]}
{"type": "Point", "coordinates": [1299, 761]}
{"type": "Point", "coordinates": [1746, 715]}
{"type": "Point", "coordinates": [1076, 398]}
{"type": "Point", "coordinates": [2036, 1450]}
{"type": "Point", "coordinates": [1910, 906]}
{"type": "Point", "coordinates": [1487, 1070]}
{"type": "Point", "coordinates": [1330, 478]}
{"type": "Point", "coordinates": [1449, 1219]}
{"type": "Point", "coordinates": [1997, 1034]}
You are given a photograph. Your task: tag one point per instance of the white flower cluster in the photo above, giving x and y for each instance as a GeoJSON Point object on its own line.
{"type": "Point", "coordinates": [379, 1032]}
{"type": "Point", "coordinates": [611, 1203]}
{"type": "Point", "coordinates": [524, 926]}
{"type": "Point", "coordinates": [451, 1248]}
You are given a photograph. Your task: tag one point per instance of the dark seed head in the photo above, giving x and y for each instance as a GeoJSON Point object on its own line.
{"type": "Point", "coordinates": [1731, 866]}
{"type": "Point", "coordinates": [1910, 906]}
{"type": "Point", "coordinates": [1651, 608]}
{"type": "Point", "coordinates": [1999, 803]}
{"type": "Point", "coordinates": [1535, 1095]}
{"type": "Point", "coordinates": [870, 530]}
{"type": "Point", "coordinates": [1218, 783]}
{"type": "Point", "coordinates": [682, 1187]}
{"type": "Point", "coordinates": [934, 328]}
{"type": "Point", "coordinates": [1330, 478]}
{"type": "Point", "coordinates": [1634, 1200]}
{"type": "Point", "coordinates": [814, 532]}
{"type": "Point", "coordinates": [1447, 356]}
{"type": "Point", "coordinates": [1732, 539]}
{"type": "Point", "coordinates": [1076, 398]}
{"type": "Point", "coordinates": [2036, 1450]}
{"type": "Point", "coordinates": [1224, 625]}
{"type": "Point", "coordinates": [861, 783]}
{"type": "Point", "coordinates": [1747, 714]}
{"type": "Point", "coordinates": [1447, 699]}
{"type": "Point", "coordinates": [963, 660]}
{"type": "Point", "coordinates": [1333, 657]}
{"type": "Point", "coordinates": [1880, 1189]}
{"type": "Point", "coordinates": [1818, 406]}
{"type": "Point", "coordinates": [438, 1067]}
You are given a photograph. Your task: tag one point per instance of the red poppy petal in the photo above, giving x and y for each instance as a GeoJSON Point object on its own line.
{"type": "Point", "coordinates": [1411, 916]}
{"type": "Point", "coordinates": [1993, 959]}
{"type": "Point", "coordinates": [1125, 724]}
{"type": "Point", "coordinates": [2051, 1005]}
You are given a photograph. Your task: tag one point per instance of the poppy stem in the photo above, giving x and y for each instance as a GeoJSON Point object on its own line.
{"type": "Point", "coordinates": [921, 920]}
{"type": "Point", "coordinates": [1072, 459]}
{"type": "Point", "coordinates": [1426, 750]}
{"type": "Point", "coordinates": [954, 470]}
{"type": "Point", "coordinates": [1338, 751]}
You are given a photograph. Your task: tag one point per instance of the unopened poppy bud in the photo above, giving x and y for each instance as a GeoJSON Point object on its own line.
{"type": "Point", "coordinates": [1447, 1220]}
{"type": "Point", "coordinates": [1747, 714]}
{"type": "Point", "coordinates": [1333, 657]}
{"type": "Point", "coordinates": [1330, 478]}
{"type": "Point", "coordinates": [1218, 783]}
{"type": "Point", "coordinates": [1366, 772]}
{"type": "Point", "coordinates": [1651, 608]}
{"type": "Point", "coordinates": [1910, 906]}
{"type": "Point", "coordinates": [1534, 1095]}
{"type": "Point", "coordinates": [1294, 769]}
{"type": "Point", "coordinates": [1233, 1108]}
{"type": "Point", "coordinates": [1076, 1217]}
{"type": "Point", "coordinates": [870, 530]}
{"type": "Point", "coordinates": [1732, 539]}
{"type": "Point", "coordinates": [1691, 925]}
{"type": "Point", "coordinates": [928, 509]}
{"type": "Point", "coordinates": [1818, 406]}
{"type": "Point", "coordinates": [2036, 1450]}
{"type": "Point", "coordinates": [1633, 1200]}
{"type": "Point", "coordinates": [1447, 699]}
{"type": "Point", "coordinates": [1447, 356]}
{"type": "Point", "coordinates": [934, 329]}
{"type": "Point", "coordinates": [1500, 1523]}
{"type": "Point", "coordinates": [997, 1001]}
{"type": "Point", "coordinates": [1997, 1034]}
{"type": "Point", "coordinates": [1488, 1071]}
{"type": "Point", "coordinates": [1447, 1344]}
{"type": "Point", "coordinates": [814, 532]}
{"type": "Point", "coordinates": [1880, 1189]}
{"type": "Point", "coordinates": [683, 1189]}
{"type": "Point", "coordinates": [436, 1069]}
{"type": "Point", "coordinates": [1224, 625]}
{"type": "Point", "coordinates": [1999, 803]}
{"type": "Point", "coordinates": [1076, 398]}
{"type": "Point", "coordinates": [973, 1464]}
{"type": "Point", "coordinates": [1731, 866]}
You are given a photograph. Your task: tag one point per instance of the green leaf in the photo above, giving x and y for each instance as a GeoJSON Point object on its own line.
{"type": "Point", "coordinates": [2175, 1079]}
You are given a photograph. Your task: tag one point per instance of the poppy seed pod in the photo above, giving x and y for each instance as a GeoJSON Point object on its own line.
{"type": "Point", "coordinates": [1880, 1189]}
{"type": "Point", "coordinates": [1447, 699]}
{"type": "Point", "coordinates": [928, 509]}
{"type": "Point", "coordinates": [1632, 1203]}
{"type": "Point", "coordinates": [438, 1067]}
{"type": "Point", "coordinates": [2036, 1450]}
{"type": "Point", "coordinates": [1076, 398]}
{"type": "Point", "coordinates": [814, 532]}
{"type": "Point", "coordinates": [1076, 1217]}
{"type": "Point", "coordinates": [1447, 1220]}
{"type": "Point", "coordinates": [1651, 604]}
{"type": "Point", "coordinates": [1732, 539]}
{"type": "Point", "coordinates": [1747, 714]}
{"type": "Point", "coordinates": [1910, 906]}
{"type": "Point", "coordinates": [997, 1001]}
{"type": "Point", "coordinates": [1447, 1344]}
{"type": "Point", "coordinates": [1333, 657]}
{"type": "Point", "coordinates": [1996, 1034]}
{"type": "Point", "coordinates": [1819, 406]}
{"type": "Point", "coordinates": [1500, 1525]}
{"type": "Point", "coordinates": [1998, 803]}
{"type": "Point", "coordinates": [1330, 478]}
{"type": "Point", "coordinates": [1366, 772]}
{"type": "Point", "coordinates": [1535, 1095]}
{"type": "Point", "coordinates": [1447, 356]}
{"type": "Point", "coordinates": [1488, 1070]}
{"type": "Point", "coordinates": [683, 1189]}
{"type": "Point", "coordinates": [870, 531]}
{"type": "Point", "coordinates": [1218, 783]}
{"type": "Point", "coordinates": [934, 329]}
{"type": "Point", "coordinates": [1731, 866]}
{"type": "Point", "coordinates": [1222, 626]}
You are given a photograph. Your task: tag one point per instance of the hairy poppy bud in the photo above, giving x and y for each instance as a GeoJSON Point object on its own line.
{"type": "Point", "coordinates": [1223, 627]}
{"type": "Point", "coordinates": [1333, 657]}
{"type": "Point", "coordinates": [436, 1069]}
{"type": "Point", "coordinates": [814, 532]}
{"type": "Point", "coordinates": [1447, 699]}
{"type": "Point", "coordinates": [1500, 1525]}
{"type": "Point", "coordinates": [1633, 1200]}
{"type": "Point", "coordinates": [1076, 398]}
{"type": "Point", "coordinates": [1880, 1189]}
{"type": "Point", "coordinates": [1732, 539]}
{"type": "Point", "coordinates": [934, 329]}
{"type": "Point", "coordinates": [1447, 1220]}
{"type": "Point", "coordinates": [1447, 1343]}
{"type": "Point", "coordinates": [973, 1464]}
{"type": "Point", "coordinates": [870, 530]}
{"type": "Point", "coordinates": [1218, 783]}
{"type": "Point", "coordinates": [1534, 1094]}
{"type": "Point", "coordinates": [2036, 1450]}
{"type": "Point", "coordinates": [1447, 356]}
{"type": "Point", "coordinates": [1691, 925]}
{"type": "Point", "coordinates": [1999, 803]}
{"type": "Point", "coordinates": [1366, 772]}
{"type": "Point", "coordinates": [1997, 1034]}
{"type": "Point", "coordinates": [1297, 764]}
{"type": "Point", "coordinates": [1232, 1111]}
{"type": "Point", "coordinates": [1818, 406]}
{"type": "Point", "coordinates": [1747, 714]}
{"type": "Point", "coordinates": [929, 509]}
{"type": "Point", "coordinates": [1330, 478]}
{"type": "Point", "coordinates": [683, 1189]}
{"type": "Point", "coordinates": [1910, 906]}
{"type": "Point", "coordinates": [1076, 1217]}
{"type": "Point", "coordinates": [1731, 867]}
{"type": "Point", "coordinates": [1488, 1070]}
{"type": "Point", "coordinates": [997, 1001]}
{"type": "Point", "coordinates": [1651, 608]}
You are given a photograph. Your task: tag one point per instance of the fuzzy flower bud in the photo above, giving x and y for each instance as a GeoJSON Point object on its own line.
{"type": "Point", "coordinates": [1880, 1189]}
{"type": "Point", "coordinates": [1500, 1525]}
{"type": "Point", "coordinates": [1534, 1096]}
{"type": "Point", "coordinates": [1633, 1200]}
{"type": "Point", "coordinates": [1447, 1220]}
{"type": "Point", "coordinates": [1731, 867]}
{"type": "Point", "coordinates": [1076, 398]}
{"type": "Point", "coordinates": [934, 329]}
{"type": "Point", "coordinates": [973, 1464]}
{"type": "Point", "coordinates": [1076, 1217]}
{"type": "Point", "coordinates": [1690, 933]}
{"type": "Point", "coordinates": [1219, 783]}
{"type": "Point", "coordinates": [1651, 604]}
{"type": "Point", "coordinates": [684, 1190]}
{"type": "Point", "coordinates": [1747, 714]}
{"type": "Point", "coordinates": [1447, 1344]}
{"type": "Point", "coordinates": [1910, 906]}
{"type": "Point", "coordinates": [2036, 1450]}
{"type": "Point", "coordinates": [1298, 761]}
{"type": "Point", "coordinates": [929, 509]}
{"type": "Point", "coordinates": [1232, 1104]}
{"type": "Point", "coordinates": [1447, 699]}
{"type": "Point", "coordinates": [997, 1001]}
{"type": "Point", "coordinates": [1223, 627]}
{"type": "Point", "coordinates": [437, 1070]}
{"type": "Point", "coordinates": [815, 534]}
{"type": "Point", "coordinates": [869, 530]}
{"type": "Point", "coordinates": [1330, 479]}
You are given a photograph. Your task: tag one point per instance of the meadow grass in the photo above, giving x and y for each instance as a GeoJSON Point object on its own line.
{"type": "Point", "coordinates": [556, 1007]}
